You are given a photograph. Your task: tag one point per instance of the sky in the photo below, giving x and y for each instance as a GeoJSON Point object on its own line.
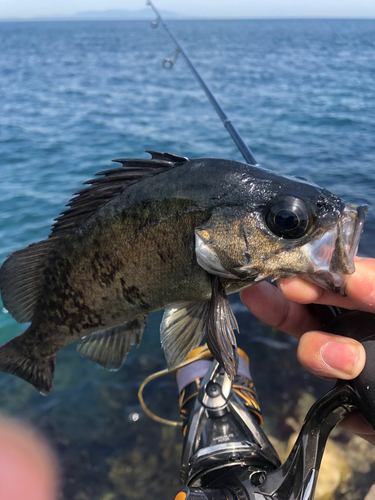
{"type": "Point", "coordinates": [196, 8]}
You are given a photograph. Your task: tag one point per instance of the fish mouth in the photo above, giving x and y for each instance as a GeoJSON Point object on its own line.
{"type": "Point", "coordinates": [331, 256]}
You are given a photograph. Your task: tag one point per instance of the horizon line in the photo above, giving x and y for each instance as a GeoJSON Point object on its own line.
{"type": "Point", "coordinates": [186, 18]}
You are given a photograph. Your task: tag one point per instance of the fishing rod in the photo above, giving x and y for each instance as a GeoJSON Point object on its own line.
{"type": "Point", "coordinates": [169, 62]}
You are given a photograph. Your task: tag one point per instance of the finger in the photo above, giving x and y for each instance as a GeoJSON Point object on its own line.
{"type": "Point", "coordinates": [360, 289]}
{"type": "Point", "coordinates": [269, 305]}
{"type": "Point", "coordinates": [361, 284]}
{"type": "Point", "coordinates": [27, 466]}
{"type": "Point", "coordinates": [331, 356]}
{"type": "Point", "coordinates": [356, 423]}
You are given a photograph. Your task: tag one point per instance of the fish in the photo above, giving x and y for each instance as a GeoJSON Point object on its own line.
{"type": "Point", "coordinates": [168, 233]}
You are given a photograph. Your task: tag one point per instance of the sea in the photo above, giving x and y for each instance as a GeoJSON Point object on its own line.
{"type": "Point", "coordinates": [75, 95]}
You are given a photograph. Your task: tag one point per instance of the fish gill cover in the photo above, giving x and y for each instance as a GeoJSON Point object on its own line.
{"type": "Point", "coordinates": [175, 234]}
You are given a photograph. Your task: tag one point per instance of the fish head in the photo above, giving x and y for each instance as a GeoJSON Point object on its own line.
{"type": "Point", "coordinates": [288, 227]}
{"type": "Point", "coordinates": [331, 255]}
{"type": "Point", "coordinates": [316, 241]}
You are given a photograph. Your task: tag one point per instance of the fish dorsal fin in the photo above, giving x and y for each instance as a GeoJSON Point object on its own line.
{"type": "Point", "coordinates": [169, 157]}
{"type": "Point", "coordinates": [109, 347]}
{"type": "Point", "coordinates": [21, 279]}
{"type": "Point", "coordinates": [183, 328]}
{"type": "Point", "coordinates": [221, 339]}
{"type": "Point", "coordinates": [111, 183]}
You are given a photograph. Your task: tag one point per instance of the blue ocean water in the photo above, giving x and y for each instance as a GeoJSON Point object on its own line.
{"type": "Point", "coordinates": [74, 95]}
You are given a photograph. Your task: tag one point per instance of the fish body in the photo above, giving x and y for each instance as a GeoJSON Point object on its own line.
{"type": "Point", "coordinates": [168, 233]}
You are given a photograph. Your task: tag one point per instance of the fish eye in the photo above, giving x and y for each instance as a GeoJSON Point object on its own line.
{"type": "Point", "coordinates": [288, 218]}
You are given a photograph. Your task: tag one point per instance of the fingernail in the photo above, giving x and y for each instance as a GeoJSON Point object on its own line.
{"type": "Point", "coordinates": [342, 357]}
{"type": "Point", "coordinates": [280, 285]}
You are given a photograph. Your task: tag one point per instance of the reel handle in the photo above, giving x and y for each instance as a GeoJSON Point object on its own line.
{"type": "Point", "coordinates": [364, 384]}
{"type": "Point", "coordinates": [204, 494]}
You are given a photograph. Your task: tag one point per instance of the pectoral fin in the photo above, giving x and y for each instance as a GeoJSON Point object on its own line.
{"type": "Point", "coordinates": [221, 339]}
{"type": "Point", "coordinates": [109, 347]}
{"type": "Point", "coordinates": [182, 329]}
{"type": "Point", "coordinates": [184, 326]}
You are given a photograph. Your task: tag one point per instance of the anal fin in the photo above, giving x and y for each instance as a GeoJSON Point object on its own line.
{"type": "Point", "coordinates": [109, 347]}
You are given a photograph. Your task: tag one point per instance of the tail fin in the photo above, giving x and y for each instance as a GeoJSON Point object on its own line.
{"type": "Point", "coordinates": [17, 359]}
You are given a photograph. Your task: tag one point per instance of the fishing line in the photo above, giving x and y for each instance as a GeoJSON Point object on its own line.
{"type": "Point", "coordinates": [203, 354]}
{"type": "Point", "coordinates": [169, 62]}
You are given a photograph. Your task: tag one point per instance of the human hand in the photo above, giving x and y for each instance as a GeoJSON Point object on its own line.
{"type": "Point", "coordinates": [28, 468]}
{"type": "Point", "coordinates": [324, 354]}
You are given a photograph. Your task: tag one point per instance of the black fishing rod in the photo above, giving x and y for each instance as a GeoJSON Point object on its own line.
{"type": "Point", "coordinates": [168, 64]}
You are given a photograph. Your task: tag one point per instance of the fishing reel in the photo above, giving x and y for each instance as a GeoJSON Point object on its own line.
{"type": "Point", "coordinates": [222, 422]}
{"type": "Point", "coordinates": [227, 456]}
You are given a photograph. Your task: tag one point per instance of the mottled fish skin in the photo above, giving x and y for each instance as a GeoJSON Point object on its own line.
{"type": "Point", "coordinates": [127, 247]}
{"type": "Point", "coordinates": [120, 268]}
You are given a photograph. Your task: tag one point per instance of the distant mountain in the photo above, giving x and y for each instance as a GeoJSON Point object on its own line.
{"type": "Point", "coordinates": [115, 14]}
{"type": "Point", "coordinates": [105, 15]}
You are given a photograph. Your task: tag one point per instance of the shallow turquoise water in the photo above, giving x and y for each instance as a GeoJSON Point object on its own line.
{"type": "Point", "coordinates": [73, 96]}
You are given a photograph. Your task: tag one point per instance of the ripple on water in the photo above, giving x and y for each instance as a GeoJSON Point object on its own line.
{"type": "Point", "coordinates": [80, 94]}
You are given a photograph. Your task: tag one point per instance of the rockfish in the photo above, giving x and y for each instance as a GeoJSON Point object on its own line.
{"type": "Point", "coordinates": [168, 233]}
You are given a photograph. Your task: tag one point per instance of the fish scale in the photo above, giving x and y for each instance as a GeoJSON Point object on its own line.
{"type": "Point", "coordinates": [168, 233]}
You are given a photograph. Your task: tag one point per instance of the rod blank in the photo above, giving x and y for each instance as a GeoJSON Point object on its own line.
{"type": "Point", "coordinates": [245, 151]}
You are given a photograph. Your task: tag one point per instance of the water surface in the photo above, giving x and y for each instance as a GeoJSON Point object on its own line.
{"type": "Point", "coordinates": [73, 96]}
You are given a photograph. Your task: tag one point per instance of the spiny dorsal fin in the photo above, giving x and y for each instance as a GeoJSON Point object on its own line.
{"type": "Point", "coordinates": [221, 339]}
{"type": "Point", "coordinates": [103, 189]}
{"type": "Point", "coordinates": [109, 347]}
{"type": "Point", "coordinates": [182, 329]}
{"type": "Point", "coordinates": [169, 157]}
{"type": "Point", "coordinates": [21, 279]}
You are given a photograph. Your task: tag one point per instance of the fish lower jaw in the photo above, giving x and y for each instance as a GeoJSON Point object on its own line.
{"type": "Point", "coordinates": [338, 281]}
{"type": "Point", "coordinates": [319, 254]}
{"type": "Point", "coordinates": [331, 282]}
